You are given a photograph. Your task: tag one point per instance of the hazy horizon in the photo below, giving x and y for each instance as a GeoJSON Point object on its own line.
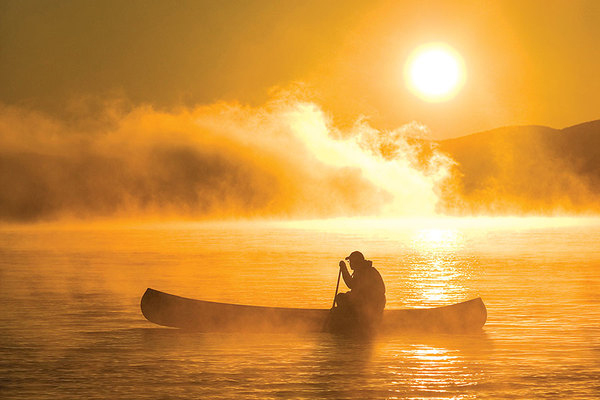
{"type": "Point", "coordinates": [285, 159]}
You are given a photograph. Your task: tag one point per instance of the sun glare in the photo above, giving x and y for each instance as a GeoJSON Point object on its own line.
{"type": "Point", "coordinates": [435, 72]}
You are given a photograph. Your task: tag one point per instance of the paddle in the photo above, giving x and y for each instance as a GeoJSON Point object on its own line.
{"type": "Point", "coordinates": [337, 287]}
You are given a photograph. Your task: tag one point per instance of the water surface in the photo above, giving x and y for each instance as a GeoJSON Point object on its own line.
{"type": "Point", "coordinates": [70, 325]}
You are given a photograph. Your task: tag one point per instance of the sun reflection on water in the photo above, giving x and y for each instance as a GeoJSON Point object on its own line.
{"type": "Point", "coordinates": [435, 276]}
{"type": "Point", "coordinates": [430, 371]}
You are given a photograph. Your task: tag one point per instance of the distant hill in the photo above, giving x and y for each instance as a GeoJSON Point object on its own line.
{"type": "Point", "coordinates": [525, 169]}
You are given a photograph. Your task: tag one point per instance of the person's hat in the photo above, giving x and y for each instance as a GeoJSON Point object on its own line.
{"type": "Point", "coordinates": [356, 256]}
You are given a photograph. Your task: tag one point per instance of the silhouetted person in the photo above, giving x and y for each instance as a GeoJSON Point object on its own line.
{"type": "Point", "coordinates": [361, 308]}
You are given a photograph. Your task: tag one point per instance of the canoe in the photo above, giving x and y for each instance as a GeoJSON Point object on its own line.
{"type": "Point", "coordinates": [199, 315]}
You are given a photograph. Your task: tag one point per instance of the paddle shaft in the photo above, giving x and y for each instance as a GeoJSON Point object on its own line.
{"type": "Point", "coordinates": [337, 287]}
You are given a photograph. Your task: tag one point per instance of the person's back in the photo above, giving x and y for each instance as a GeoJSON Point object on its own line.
{"type": "Point", "coordinates": [368, 288]}
{"type": "Point", "coordinates": [361, 307]}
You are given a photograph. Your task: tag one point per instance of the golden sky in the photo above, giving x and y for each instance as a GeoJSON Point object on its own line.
{"type": "Point", "coordinates": [527, 62]}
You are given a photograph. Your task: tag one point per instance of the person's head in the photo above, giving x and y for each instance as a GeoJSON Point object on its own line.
{"type": "Point", "coordinates": [356, 259]}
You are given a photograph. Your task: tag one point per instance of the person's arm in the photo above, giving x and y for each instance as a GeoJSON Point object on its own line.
{"type": "Point", "coordinates": [345, 274]}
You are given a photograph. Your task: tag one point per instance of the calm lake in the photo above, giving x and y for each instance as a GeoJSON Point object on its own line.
{"type": "Point", "coordinates": [71, 326]}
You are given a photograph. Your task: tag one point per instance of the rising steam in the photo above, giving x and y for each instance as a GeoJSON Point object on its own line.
{"type": "Point", "coordinates": [283, 159]}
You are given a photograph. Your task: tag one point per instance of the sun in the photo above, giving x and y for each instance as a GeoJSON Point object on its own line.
{"type": "Point", "coordinates": [435, 72]}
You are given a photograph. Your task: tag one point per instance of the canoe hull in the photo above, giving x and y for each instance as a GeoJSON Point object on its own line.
{"type": "Point", "coordinates": [180, 312]}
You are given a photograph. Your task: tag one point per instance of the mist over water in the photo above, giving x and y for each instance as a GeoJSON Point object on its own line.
{"type": "Point", "coordinates": [283, 159]}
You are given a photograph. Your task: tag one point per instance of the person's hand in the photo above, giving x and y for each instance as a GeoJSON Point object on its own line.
{"type": "Point", "coordinates": [342, 264]}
